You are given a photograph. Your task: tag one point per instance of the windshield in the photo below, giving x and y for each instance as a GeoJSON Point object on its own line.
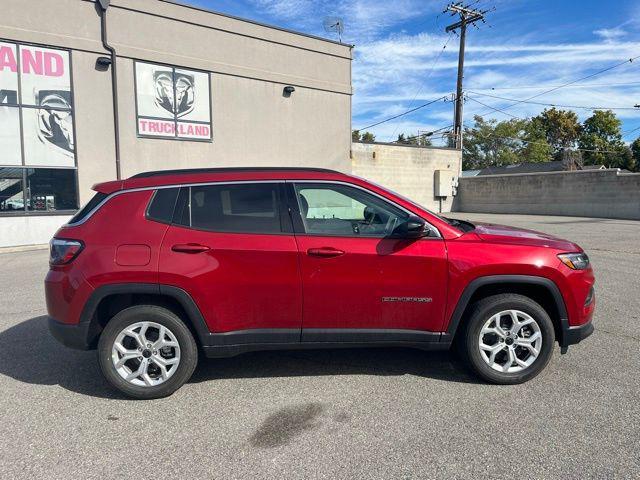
{"type": "Point", "coordinates": [463, 225]}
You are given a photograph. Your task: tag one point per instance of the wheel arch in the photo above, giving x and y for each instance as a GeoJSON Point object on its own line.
{"type": "Point", "coordinates": [540, 289]}
{"type": "Point", "coordinates": [108, 300]}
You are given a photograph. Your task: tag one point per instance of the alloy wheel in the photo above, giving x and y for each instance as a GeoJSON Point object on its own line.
{"type": "Point", "coordinates": [510, 341]}
{"type": "Point", "coordinates": [146, 354]}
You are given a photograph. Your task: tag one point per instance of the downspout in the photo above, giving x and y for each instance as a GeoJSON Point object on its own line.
{"type": "Point", "coordinates": [103, 6]}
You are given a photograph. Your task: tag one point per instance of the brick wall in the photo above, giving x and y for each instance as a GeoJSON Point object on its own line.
{"type": "Point", "coordinates": [589, 193]}
{"type": "Point", "coordinates": [405, 169]}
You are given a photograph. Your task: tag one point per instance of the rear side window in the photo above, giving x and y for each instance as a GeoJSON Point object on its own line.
{"type": "Point", "coordinates": [162, 205]}
{"type": "Point", "coordinates": [84, 211]}
{"type": "Point", "coordinates": [240, 208]}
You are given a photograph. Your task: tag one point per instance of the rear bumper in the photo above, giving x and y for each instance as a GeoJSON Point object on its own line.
{"type": "Point", "coordinates": [72, 336]}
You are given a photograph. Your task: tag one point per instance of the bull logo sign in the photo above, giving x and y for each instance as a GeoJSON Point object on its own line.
{"type": "Point", "coordinates": [172, 102]}
{"type": "Point", "coordinates": [38, 80]}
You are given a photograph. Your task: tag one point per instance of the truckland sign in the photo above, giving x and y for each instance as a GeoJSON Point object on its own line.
{"type": "Point", "coordinates": [35, 102]}
{"type": "Point", "coordinates": [172, 102]}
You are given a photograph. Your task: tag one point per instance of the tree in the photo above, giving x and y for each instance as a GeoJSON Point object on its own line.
{"type": "Point", "coordinates": [561, 129]}
{"type": "Point", "coordinates": [635, 150]}
{"type": "Point", "coordinates": [600, 136]}
{"type": "Point", "coordinates": [365, 137]}
{"type": "Point", "coordinates": [368, 137]}
{"type": "Point", "coordinates": [492, 143]}
{"type": "Point", "coordinates": [418, 140]}
{"type": "Point", "coordinates": [536, 148]}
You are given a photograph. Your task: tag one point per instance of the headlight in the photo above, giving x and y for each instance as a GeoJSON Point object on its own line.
{"type": "Point", "coordinates": [575, 261]}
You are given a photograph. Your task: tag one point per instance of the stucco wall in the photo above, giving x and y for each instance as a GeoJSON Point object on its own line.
{"type": "Point", "coordinates": [599, 193]}
{"type": "Point", "coordinates": [407, 170]}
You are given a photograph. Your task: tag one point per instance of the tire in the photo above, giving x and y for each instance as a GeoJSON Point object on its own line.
{"type": "Point", "coordinates": [120, 344]}
{"type": "Point", "coordinates": [517, 361]}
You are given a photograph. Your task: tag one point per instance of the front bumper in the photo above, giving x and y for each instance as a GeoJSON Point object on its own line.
{"type": "Point", "coordinates": [72, 336]}
{"type": "Point", "coordinates": [573, 335]}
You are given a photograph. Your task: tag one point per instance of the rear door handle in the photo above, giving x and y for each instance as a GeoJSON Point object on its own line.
{"type": "Point", "coordinates": [326, 252]}
{"type": "Point", "coordinates": [190, 248]}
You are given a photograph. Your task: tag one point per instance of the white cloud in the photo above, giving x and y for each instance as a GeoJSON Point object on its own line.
{"type": "Point", "coordinates": [610, 34]}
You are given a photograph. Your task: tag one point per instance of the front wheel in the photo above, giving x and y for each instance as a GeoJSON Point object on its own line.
{"type": "Point", "coordinates": [147, 352]}
{"type": "Point", "coordinates": [508, 339]}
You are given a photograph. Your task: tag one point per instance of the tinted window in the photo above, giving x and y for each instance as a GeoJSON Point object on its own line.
{"type": "Point", "coordinates": [93, 203]}
{"type": "Point", "coordinates": [11, 190]}
{"type": "Point", "coordinates": [328, 209]}
{"type": "Point", "coordinates": [162, 205]}
{"type": "Point", "coordinates": [249, 208]}
{"type": "Point", "coordinates": [51, 189]}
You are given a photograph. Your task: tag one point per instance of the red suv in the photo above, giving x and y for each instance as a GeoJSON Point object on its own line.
{"type": "Point", "coordinates": [165, 264]}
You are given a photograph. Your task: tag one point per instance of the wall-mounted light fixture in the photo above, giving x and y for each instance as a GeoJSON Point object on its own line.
{"type": "Point", "coordinates": [288, 90]}
{"type": "Point", "coordinates": [103, 63]}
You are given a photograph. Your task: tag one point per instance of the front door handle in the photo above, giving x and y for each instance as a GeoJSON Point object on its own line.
{"type": "Point", "coordinates": [326, 252]}
{"type": "Point", "coordinates": [190, 248]}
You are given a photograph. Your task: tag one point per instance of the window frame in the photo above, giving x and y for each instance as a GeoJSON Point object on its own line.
{"type": "Point", "coordinates": [20, 106]}
{"type": "Point", "coordinates": [298, 222]}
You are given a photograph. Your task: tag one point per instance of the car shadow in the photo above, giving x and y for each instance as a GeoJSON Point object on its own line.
{"type": "Point", "coordinates": [29, 354]}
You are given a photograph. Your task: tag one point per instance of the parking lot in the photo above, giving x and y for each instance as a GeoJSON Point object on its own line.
{"type": "Point", "coordinates": [368, 413]}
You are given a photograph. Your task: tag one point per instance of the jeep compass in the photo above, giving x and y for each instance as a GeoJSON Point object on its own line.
{"type": "Point", "coordinates": [165, 265]}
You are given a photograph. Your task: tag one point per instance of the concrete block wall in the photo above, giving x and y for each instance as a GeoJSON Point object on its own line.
{"type": "Point", "coordinates": [592, 193]}
{"type": "Point", "coordinates": [405, 169]}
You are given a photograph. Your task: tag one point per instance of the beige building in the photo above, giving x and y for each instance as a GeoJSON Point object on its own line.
{"type": "Point", "coordinates": [193, 89]}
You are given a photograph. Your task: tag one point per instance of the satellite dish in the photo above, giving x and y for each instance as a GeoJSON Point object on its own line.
{"type": "Point", "coordinates": [334, 24]}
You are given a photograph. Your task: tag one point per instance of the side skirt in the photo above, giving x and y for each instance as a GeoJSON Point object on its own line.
{"type": "Point", "coordinates": [235, 343]}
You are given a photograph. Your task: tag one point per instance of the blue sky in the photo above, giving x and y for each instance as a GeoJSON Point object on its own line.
{"type": "Point", "coordinates": [525, 48]}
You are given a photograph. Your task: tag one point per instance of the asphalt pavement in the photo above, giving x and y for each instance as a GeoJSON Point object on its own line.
{"type": "Point", "coordinates": [390, 413]}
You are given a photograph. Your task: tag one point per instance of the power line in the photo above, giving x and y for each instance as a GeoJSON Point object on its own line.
{"type": "Point", "coordinates": [553, 104]}
{"type": "Point", "coordinates": [539, 87]}
{"type": "Point", "coordinates": [493, 108]}
{"type": "Point", "coordinates": [599, 72]}
{"type": "Point", "coordinates": [426, 134]}
{"type": "Point", "coordinates": [444, 97]}
{"type": "Point", "coordinates": [433, 66]}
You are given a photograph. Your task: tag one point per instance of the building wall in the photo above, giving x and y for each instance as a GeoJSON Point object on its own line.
{"type": "Point", "coordinates": [253, 124]}
{"type": "Point", "coordinates": [589, 193]}
{"type": "Point", "coordinates": [407, 170]}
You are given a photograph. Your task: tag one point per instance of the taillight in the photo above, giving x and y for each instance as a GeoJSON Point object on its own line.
{"type": "Point", "coordinates": [63, 251]}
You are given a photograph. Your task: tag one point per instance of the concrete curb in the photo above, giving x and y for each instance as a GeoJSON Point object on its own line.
{"type": "Point", "coordinates": [25, 248]}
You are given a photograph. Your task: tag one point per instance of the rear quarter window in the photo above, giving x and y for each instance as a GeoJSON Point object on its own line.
{"type": "Point", "coordinates": [84, 211]}
{"type": "Point", "coordinates": [162, 205]}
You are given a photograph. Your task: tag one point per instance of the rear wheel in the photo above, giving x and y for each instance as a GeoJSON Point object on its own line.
{"type": "Point", "coordinates": [508, 339]}
{"type": "Point", "coordinates": [147, 352]}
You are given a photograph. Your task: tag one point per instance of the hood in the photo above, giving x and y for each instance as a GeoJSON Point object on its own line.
{"type": "Point", "coordinates": [521, 236]}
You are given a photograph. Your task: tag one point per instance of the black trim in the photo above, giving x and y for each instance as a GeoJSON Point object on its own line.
{"type": "Point", "coordinates": [72, 336]}
{"type": "Point", "coordinates": [366, 335]}
{"type": "Point", "coordinates": [567, 335]}
{"type": "Point", "coordinates": [258, 335]}
{"type": "Point", "coordinates": [573, 335]}
{"type": "Point", "coordinates": [189, 171]}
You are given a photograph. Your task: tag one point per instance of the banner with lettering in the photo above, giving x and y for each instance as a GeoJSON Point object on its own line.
{"type": "Point", "coordinates": [35, 87]}
{"type": "Point", "coordinates": [172, 102]}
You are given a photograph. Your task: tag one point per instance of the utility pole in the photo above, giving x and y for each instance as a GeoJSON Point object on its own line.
{"type": "Point", "coordinates": [468, 16]}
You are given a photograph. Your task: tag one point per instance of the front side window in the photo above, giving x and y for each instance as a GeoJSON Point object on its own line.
{"type": "Point", "coordinates": [332, 209]}
{"type": "Point", "coordinates": [240, 208]}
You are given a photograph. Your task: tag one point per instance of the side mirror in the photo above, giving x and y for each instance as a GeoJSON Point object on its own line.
{"type": "Point", "coordinates": [413, 227]}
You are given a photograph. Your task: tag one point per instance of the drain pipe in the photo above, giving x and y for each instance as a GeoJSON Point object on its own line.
{"type": "Point", "coordinates": [103, 5]}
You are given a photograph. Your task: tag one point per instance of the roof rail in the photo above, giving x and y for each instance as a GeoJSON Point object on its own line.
{"type": "Point", "coordinates": [187, 171]}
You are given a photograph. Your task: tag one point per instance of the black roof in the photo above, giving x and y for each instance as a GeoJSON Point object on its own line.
{"type": "Point", "coordinates": [555, 166]}
{"type": "Point", "coordinates": [187, 171]}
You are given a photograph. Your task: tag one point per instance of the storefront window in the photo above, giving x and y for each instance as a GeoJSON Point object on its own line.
{"type": "Point", "coordinates": [11, 190]}
{"type": "Point", "coordinates": [36, 129]}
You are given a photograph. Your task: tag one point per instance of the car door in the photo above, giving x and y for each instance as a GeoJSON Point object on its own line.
{"type": "Point", "coordinates": [231, 247]}
{"type": "Point", "coordinates": [356, 277]}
